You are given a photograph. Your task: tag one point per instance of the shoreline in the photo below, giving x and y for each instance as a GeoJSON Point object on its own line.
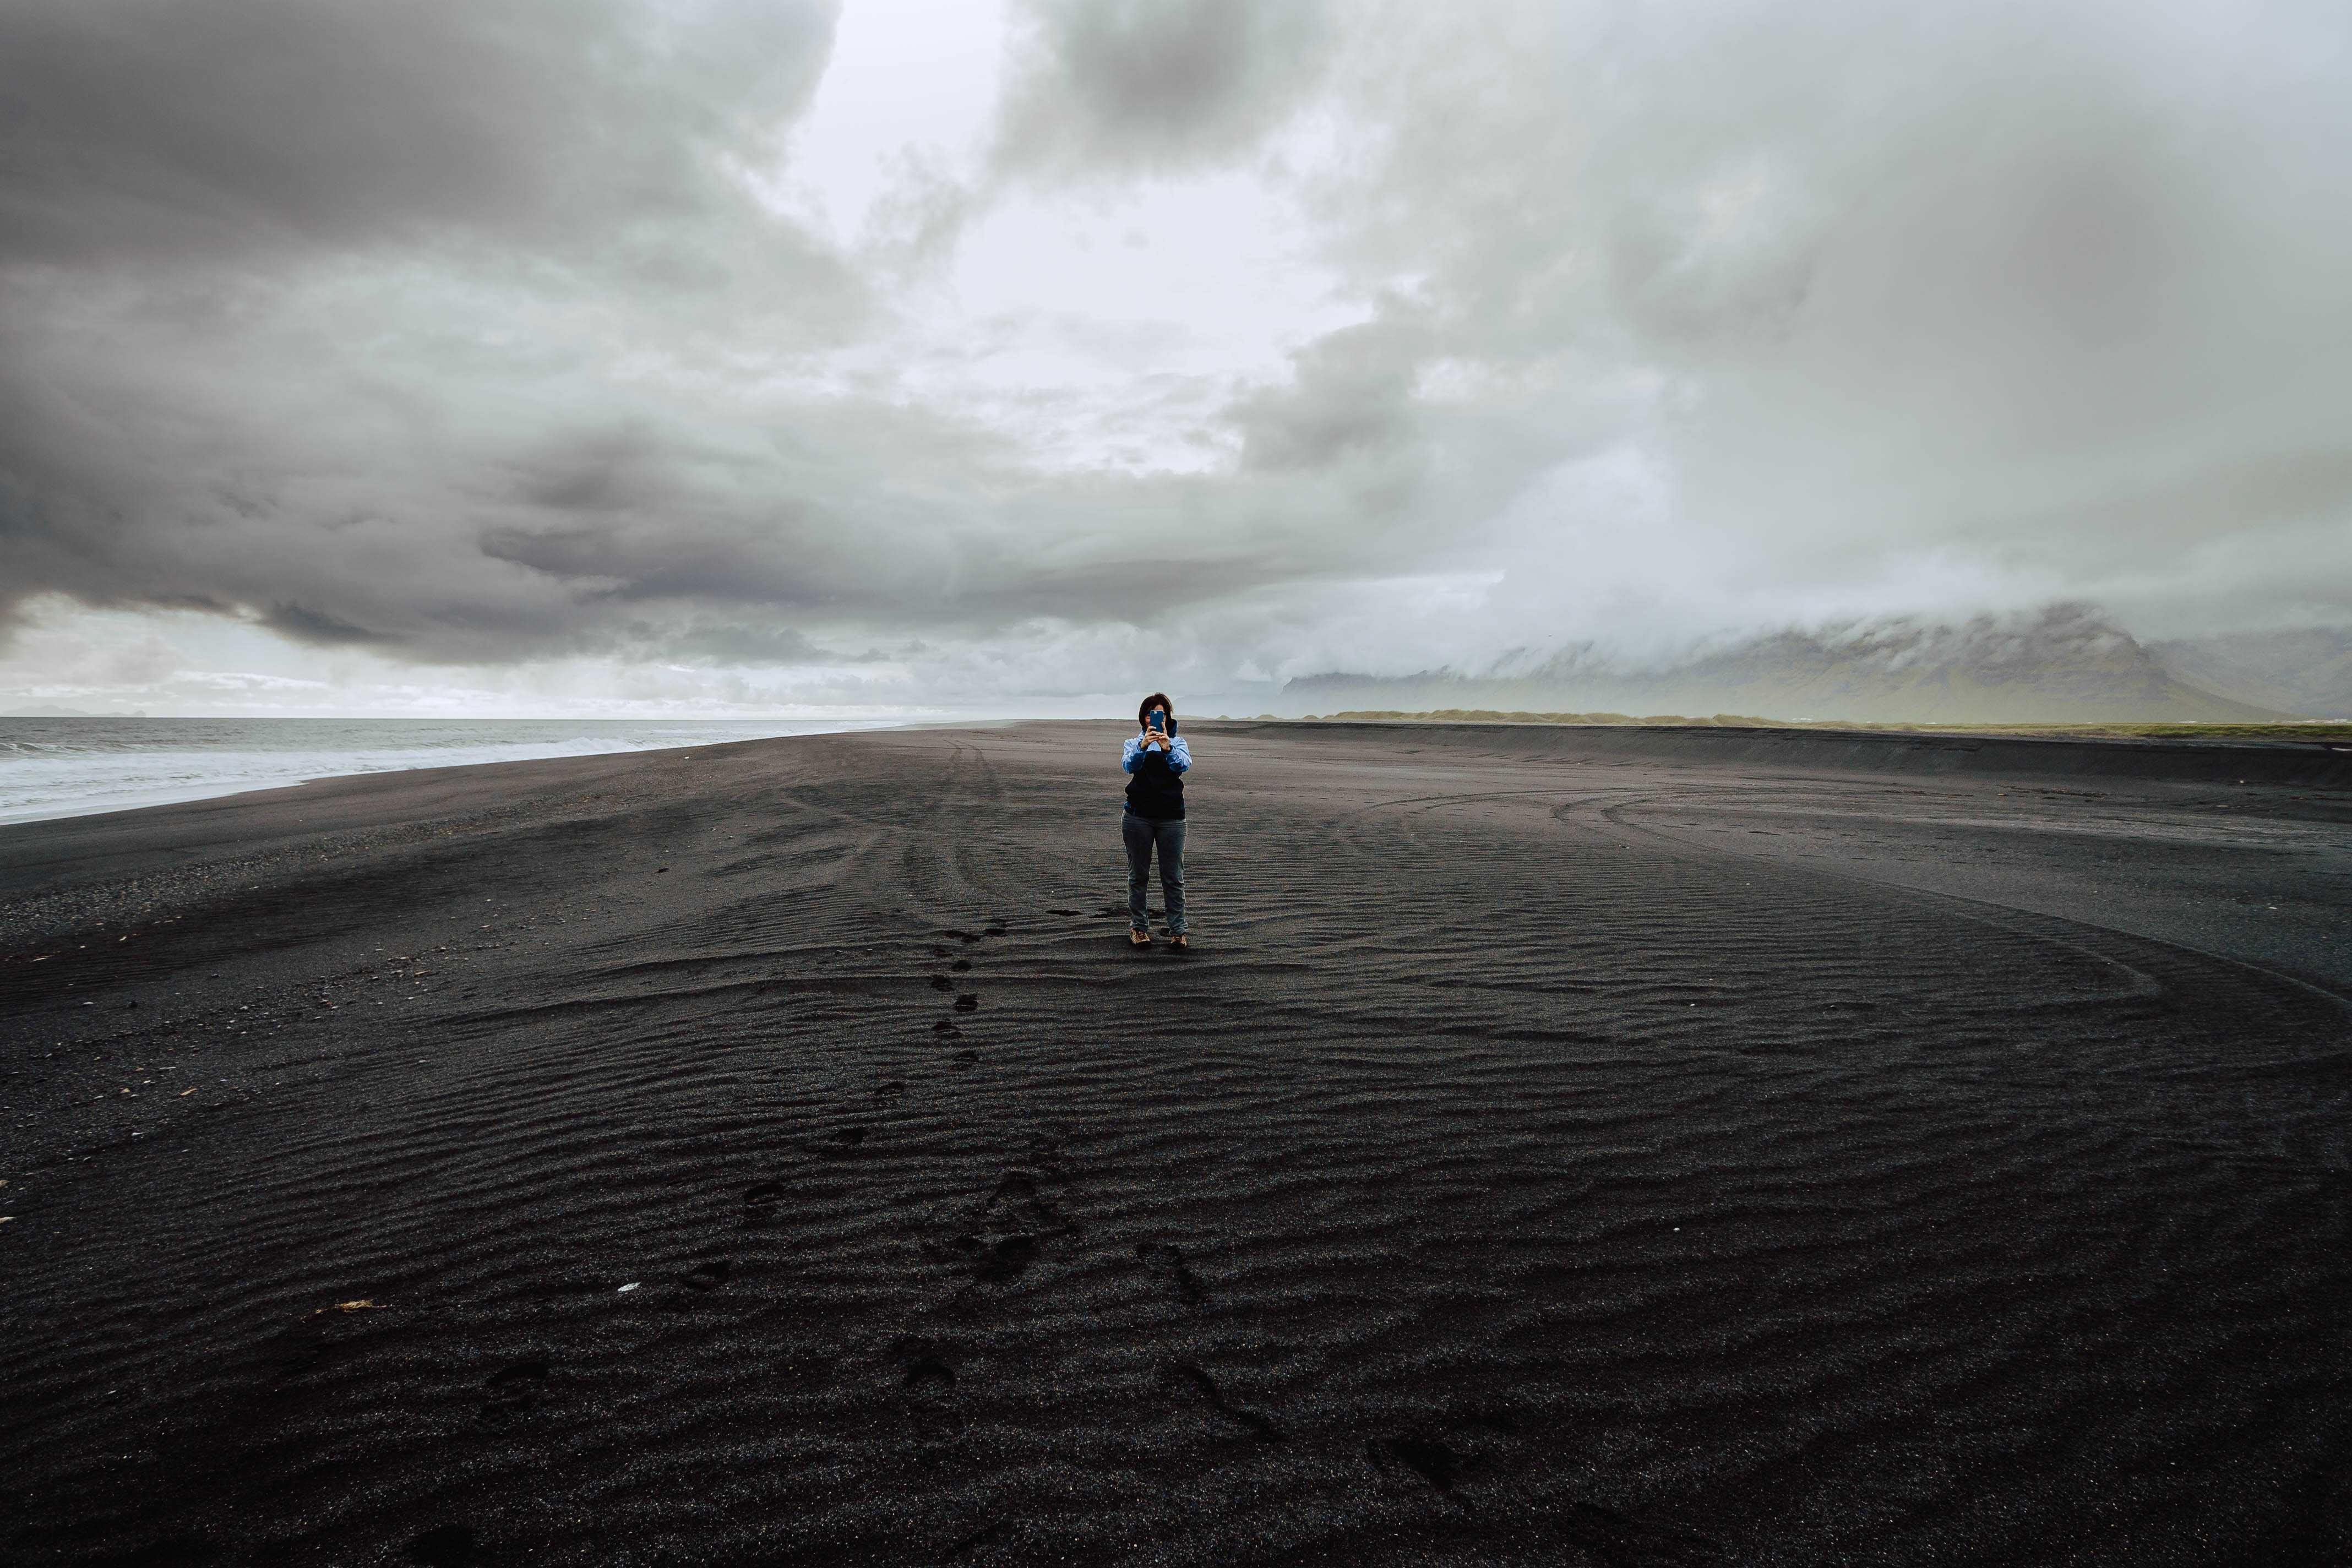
{"type": "Point", "coordinates": [295, 778]}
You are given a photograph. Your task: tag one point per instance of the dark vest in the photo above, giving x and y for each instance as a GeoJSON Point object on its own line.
{"type": "Point", "coordinates": [1155, 790]}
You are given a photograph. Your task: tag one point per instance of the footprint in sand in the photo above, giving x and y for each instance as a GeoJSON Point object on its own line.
{"type": "Point", "coordinates": [706, 1275]}
{"type": "Point", "coordinates": [1164, 1262]}
{"type": "Point", "coordinates": [515, 1387]}
{"type": "Point", "coordinates": [1017, 1219]}
{"type": "Point", "coordinates": [1431, 1460]}
{"type": "Point", "coordinates": [964, 1059]}
{"type": "Point", "coordinates": [968, 1002]}
{"type": "Point", "coordinates": [942, 982]}
{"type": "Point", "coordinates": [923, 1365]}
{"type": "Point", "coordinates": [1184, 1377]}
{"type": "Point", "coordinates": [893, 1090]}
{"type": "Point", "coordinates": [1014, 1204]}
{"type": "Point", "coordinates": [996, 929]}
{"type": "Point", "coordinates": [962, 966]}
{"type": "Point", "coordinates": [760, 1198]}
{"type": "Point", "coordinates": [990, 1262]}
{"type": "Point", "coordinates": [1006, 1259]}
{"type": "Point", "coordinates": [849, 1138]}
{"type": "Point", "coordinates": [945, 1030]}
{"type": "Point", "coordinates": [940, 950]}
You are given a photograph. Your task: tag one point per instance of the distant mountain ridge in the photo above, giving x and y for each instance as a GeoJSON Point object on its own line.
{"type": "Point", "coordinates": [2307, 672]}
{"type": "Point", "coordinates": [2065, 664]}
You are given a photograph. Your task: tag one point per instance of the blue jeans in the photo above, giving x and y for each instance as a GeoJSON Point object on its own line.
{"type": "Point", "coordinates": [1142, 836]}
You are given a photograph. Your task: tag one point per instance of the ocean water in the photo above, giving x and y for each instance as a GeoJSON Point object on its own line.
{"type": "Point", "coordinates": [70, 767]}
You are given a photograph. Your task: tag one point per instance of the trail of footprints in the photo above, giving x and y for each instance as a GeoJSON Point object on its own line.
{"type": "Point", "coordinates": [988, 1244]}
{"type": "Point", "coordinates": [1006, 1235]}
{"type": "Point", "coordinates": [964, 1001]}
{"type": "Point", "coordinates": [991, 1243]}
{"type": "Point", "coordinates": [996, 1255]}
{"type": "Point", "coordinates": [996, 1240]}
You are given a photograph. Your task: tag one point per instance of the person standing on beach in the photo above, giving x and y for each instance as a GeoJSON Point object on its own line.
{"type": "Point", "coordinates": [1156, 761]}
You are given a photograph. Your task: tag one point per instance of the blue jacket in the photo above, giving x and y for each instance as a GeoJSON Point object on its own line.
{"type": "Point", "coordinates": [1180, 754]}
{"type": "Point", "coordinates": [1155, 785]}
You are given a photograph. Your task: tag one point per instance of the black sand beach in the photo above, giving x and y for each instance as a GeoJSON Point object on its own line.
{"type": "Point", "coordinates": [1608, 1147]}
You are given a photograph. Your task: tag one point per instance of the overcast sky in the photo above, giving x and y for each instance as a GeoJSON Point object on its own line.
{"type": "Point", "coordinates": [770, 355]}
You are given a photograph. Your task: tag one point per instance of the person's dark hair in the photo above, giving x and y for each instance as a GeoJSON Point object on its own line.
{"type": "Point", "coordinates": [1157, 699]}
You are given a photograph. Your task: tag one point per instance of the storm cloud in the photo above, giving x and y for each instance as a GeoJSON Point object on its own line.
{"type": "Point", "coordinates": [1142, 86]}
{"type": "Point", "coordinates": [140, 128]}
{"type": "Point", "coordinates": [1238, 341]}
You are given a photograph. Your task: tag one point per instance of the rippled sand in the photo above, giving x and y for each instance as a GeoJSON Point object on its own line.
{"type": "Point", "coordinates": [1563, 1147]}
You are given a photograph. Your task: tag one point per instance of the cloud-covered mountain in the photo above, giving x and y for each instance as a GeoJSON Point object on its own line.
{"type": "Point", "coordinates": [2067, 664]}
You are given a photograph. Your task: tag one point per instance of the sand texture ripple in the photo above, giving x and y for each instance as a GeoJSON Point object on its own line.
{"type": "Point", "coordinates": [1563, 1147]}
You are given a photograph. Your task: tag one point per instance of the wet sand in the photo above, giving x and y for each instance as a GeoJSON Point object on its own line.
{"type": "Point", "coordinates": [1609, 1147]}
